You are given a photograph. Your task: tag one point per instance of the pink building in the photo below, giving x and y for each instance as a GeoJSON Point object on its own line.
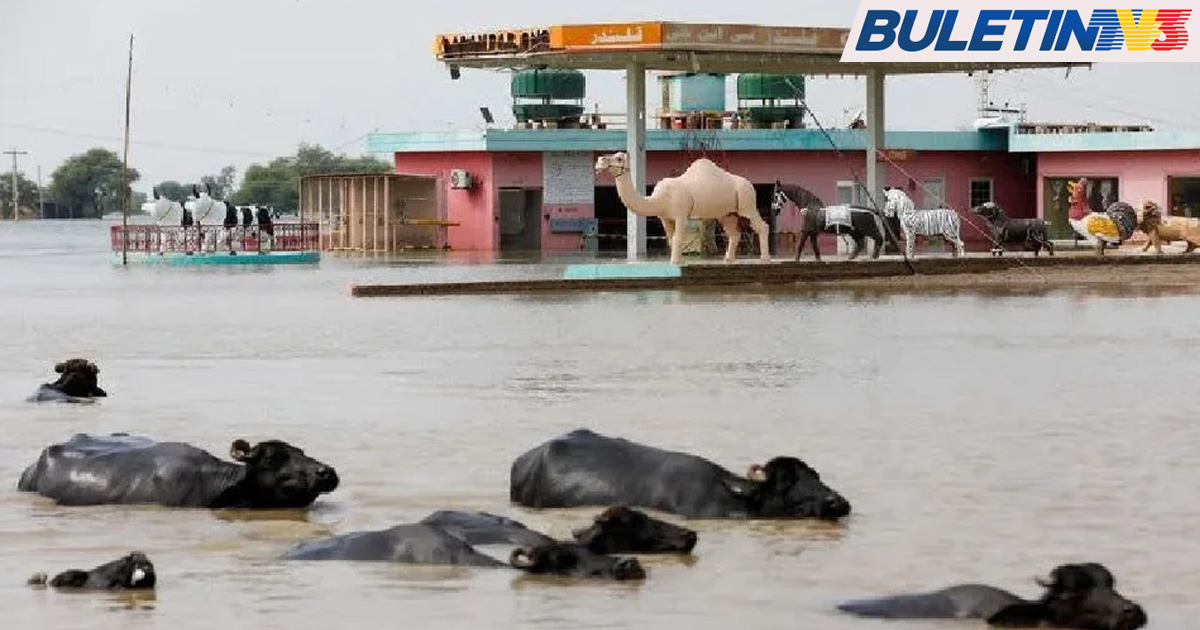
{"type": "Point", "coordinates": [535, 189]}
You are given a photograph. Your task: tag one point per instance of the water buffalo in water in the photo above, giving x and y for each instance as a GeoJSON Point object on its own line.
{"type": "Point", "coordinates": [77, 382]}
{"type": "Point", "coordinates": [585, 468]}
{"type": "Point", "coordinates": [620, 529]}
{"type": "Point", "coordinates": [134, 571]}
{"type": "Point", "coordinates": [448, 538]}
{"type": "Point", "coordinates": [120, 468]}
{"type": "Point", "coordinates": [1082, 596]}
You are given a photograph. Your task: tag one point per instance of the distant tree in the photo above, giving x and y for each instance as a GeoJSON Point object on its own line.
{"type": "Point", "coordinates": [173, 190]}
{"type": "Point", "coordinates": [27, 196]}
{"type": "Point", "coordinates": [277, 183]}
{"type": "Point", "coordinates": [221, 183]}
{"type": "Point", "coordinates": [89, 184]}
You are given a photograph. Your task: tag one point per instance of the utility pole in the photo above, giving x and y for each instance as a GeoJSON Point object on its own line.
{"type": "Point", "coordinates": [14, 153]}
{"type": "Point", "coordinates": [41, 198]}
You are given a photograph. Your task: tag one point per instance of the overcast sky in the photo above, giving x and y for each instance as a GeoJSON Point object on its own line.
{"type": "Point", "coordinates": [219, 82]}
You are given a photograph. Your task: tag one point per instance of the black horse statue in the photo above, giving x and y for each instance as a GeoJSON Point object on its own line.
{"type": "Point", "coordinates": [857, 222]}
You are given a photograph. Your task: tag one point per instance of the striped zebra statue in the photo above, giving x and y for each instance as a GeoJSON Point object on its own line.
{"type": "Point", "coordinates": [942, 222]}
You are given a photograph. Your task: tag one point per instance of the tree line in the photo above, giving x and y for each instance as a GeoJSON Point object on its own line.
{"type": "Point", "coordinates": [88, 185]}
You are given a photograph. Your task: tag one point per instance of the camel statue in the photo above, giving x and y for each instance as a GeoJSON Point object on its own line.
{"type": "Point", "coordinates": [703, 191]}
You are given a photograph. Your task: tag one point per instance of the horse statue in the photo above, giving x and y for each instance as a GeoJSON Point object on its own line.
{"type": "Point", "coordinates": [857, 222]}
{"type": "Point", "coordinates": [943, 222]}
{"type": "Point", "coordinates": [1112, 227]}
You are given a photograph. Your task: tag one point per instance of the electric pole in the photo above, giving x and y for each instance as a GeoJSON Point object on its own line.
{"type": "Point", "coordinates": [14, 153]}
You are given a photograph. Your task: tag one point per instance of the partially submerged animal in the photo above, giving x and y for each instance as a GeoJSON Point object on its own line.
{"type": "Point", "coordinates": [585, 468]}
{"type": "Point", "coordinates": [124, 469]}
{"type": "Point", "coordinates": [1163, 229]}
{"type": "Point", "coordinates": [1080, 596]}
{"type": "Point", "coordinates": [131, 572]}
{"type": "Point", "coordinates": [450, 538]}
{"type": "Point", "coordinates": [77, 382]}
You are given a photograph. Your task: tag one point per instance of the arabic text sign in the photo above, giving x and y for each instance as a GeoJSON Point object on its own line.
{"type": "Point", "coordinates": [749, 37]}
{"type": "Point", "coordinates": [600, 36]}
{"type": "Point", "coordinates": [1022, 31]}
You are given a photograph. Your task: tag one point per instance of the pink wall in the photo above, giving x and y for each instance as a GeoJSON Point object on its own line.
{"type": "Point", "coordinates": [474, 209]}
{"type": "Point", "coordinates": [1141, 174]}
{"type": "Point", "coordinates": [818, 171]}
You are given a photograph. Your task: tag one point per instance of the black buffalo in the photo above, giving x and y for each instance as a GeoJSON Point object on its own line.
{"type": "Point", "coordinates": [132, 572]}
{"type": "Point", "coordinates": [77, 382]}
{"type": "Point", "coordinates": [120, 468]}
{"type": "Point", "coordinates": [620, 529]}
{"type": "Point", "coordinates": [449, 538]}
{"type": "Point", "coordinates": [1082, 596]}
{"type": "Point", "coordinates": [585, 468]}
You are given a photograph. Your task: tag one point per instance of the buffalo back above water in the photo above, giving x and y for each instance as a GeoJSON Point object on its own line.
{"type": "Point", "coordinates": [585, 468]}
{"type": "Point", "coordinates": [124, 469]}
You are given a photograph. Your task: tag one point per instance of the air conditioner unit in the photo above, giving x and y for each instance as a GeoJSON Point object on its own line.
{"type": "Point", "coordinates": [461, 179]}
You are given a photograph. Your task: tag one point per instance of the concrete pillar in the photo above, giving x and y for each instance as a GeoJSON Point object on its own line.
{"type": "Point", "coordinates": [635, 138]}
{"type": "Point", "coordinates": [875, 138]}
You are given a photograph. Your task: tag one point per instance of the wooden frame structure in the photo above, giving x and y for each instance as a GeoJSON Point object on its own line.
{"type": "Point", "coordinates": [378, 213]}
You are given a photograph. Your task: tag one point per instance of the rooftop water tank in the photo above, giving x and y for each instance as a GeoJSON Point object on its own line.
{"type": "Point", "coordinates": [548, 95]}
{"type": "Point", "coordinates": [772, 98]}
{"type": "Point", "coordinates": [690, 92]}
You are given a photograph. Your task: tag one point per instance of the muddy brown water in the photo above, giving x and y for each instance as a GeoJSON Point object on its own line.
{"type": "Point", "coordinates": [982, 434]}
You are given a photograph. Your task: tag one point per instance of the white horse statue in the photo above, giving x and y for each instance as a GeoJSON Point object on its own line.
{"type": "Point", "coordinates": [942, 222]}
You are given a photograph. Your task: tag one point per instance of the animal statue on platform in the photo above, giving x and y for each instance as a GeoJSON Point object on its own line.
{"type": "Point", "coordinates": [1009, 231]}
{"type": "Point", "coordinates": [1162, 229]}
{"type": "Point", "coordinates": [165, 209]}
{"type": "Point", "coordinates": [857, 222]}
{"type": "Point", "coordinates": [1112, 227]}
{"type": "Point", "coordinates": [703, 191]}
{"type": "Point", "coordinates": [943, 222]}
{"type": "Point", "coordinates": [204, 206]}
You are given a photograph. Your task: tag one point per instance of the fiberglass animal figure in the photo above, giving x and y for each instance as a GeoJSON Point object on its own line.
{"type": "Point", "coordinates": [131, 572]}
{"type": "Point", "coordinates": [125, 469]}
{"type": "Point", "coordinates": [1162, 229]}
{"type": "Point", "coordinates": [586, 468]}
{"type": "Point", "coordinates": [857, 222]}
{"type": "Point", "coordinates": [1079, 596]}
{"type": "Point", "coordinates": [1009, 231]}
{"type": "Point", "coordinates": [1112, 227]}
{"type": "Point", "coordinates": [77, 382]}
{"type": "Point", "coordinates": [703, 191]}
{"type": "Point", "coordinates": [943, 222]}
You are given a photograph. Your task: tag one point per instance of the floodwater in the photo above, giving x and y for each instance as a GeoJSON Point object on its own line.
{"type": "Point", "coordinates": [980, 437]}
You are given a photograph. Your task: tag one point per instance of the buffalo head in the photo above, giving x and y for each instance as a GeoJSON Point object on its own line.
{"type": "Point", "coordinates": [620, 529]}
{"type": "Point", "coordinates": [574, 561]}
{"type": "Point", "coordinates": [788, 488]}
{"type": "Point", "coordinates": [278, 474]}
{"type": "Point", "coordinates": [1080, 596]}
{"type": "Point", "coordinates": [132, 572]}
{"type": "Point", "coordinates": [78, 377]}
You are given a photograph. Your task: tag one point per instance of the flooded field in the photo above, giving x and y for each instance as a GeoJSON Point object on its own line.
{"type": "Point", "coordinates": [982, 433]}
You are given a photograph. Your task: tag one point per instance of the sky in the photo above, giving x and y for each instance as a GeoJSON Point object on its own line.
{"type": "Point", "coordinates": [219, 82]}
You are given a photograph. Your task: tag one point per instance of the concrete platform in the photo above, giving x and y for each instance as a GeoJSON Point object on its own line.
{"type": "Point", "coordinates": [198, 259]}
{"type": "Point", "coordinates": [749, 273]}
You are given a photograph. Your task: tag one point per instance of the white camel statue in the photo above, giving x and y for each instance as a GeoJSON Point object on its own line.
{"type": "Point", "coordinates": [703, 191]}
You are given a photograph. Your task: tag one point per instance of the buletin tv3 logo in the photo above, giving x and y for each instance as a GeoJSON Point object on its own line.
{"type": "Point", "coordinates": [1026, 34]}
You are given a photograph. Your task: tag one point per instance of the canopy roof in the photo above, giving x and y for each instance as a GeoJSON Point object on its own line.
{"type": "Point", "coordinates": [683, 47]}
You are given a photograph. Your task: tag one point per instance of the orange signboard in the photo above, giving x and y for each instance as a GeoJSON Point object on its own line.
{"type": "Point", "coordinates": [623, 35]}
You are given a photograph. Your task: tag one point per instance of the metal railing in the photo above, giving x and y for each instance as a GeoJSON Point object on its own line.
{"type": "Point", "coordinates": [161, 239]}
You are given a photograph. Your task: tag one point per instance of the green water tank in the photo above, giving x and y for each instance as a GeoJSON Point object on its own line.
{"type": "Point", "coordinates": [770, 86]}
{"type": "Point", "coordinates": [549, 83]}
{"type": "Point", "coordinates": [538, 95]}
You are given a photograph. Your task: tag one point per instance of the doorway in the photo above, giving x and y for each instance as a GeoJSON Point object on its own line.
{"type": "Point", "coordinates": [1183, 195]}
{"type": "Point", "coordinates": [520, 220]}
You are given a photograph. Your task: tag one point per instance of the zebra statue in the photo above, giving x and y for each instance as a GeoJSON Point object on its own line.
{"type": "Point", "coordinates": [942, 222]}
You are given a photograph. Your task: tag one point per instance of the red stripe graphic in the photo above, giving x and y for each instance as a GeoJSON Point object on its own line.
{"type": "Point", "coordinates": [1171, 25]}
